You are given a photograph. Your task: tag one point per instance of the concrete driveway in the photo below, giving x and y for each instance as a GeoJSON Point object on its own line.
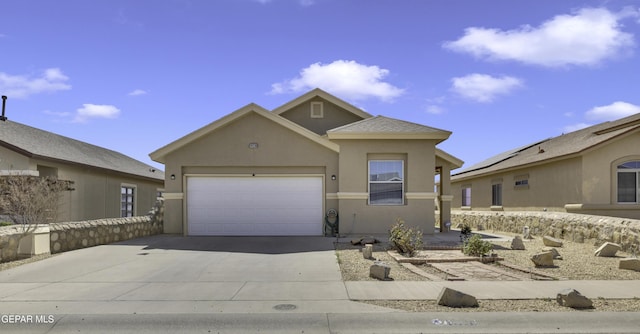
{"type": "Point", "coordinates": [175, 274]}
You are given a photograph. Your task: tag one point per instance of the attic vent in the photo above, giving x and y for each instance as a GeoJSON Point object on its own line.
{"type": "Point", "coordinates": [317, 110]}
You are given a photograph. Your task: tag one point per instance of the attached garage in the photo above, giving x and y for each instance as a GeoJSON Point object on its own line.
{"type": "Point", "coordinates": [254, 205]}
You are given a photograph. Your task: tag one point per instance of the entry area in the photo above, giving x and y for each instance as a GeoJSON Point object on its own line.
{"type": "Point", "coordinates": [254, 205]}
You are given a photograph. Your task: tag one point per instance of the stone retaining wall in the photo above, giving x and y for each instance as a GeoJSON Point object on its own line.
{"type": "Point", "coordinates": [567, 226]}
{"type": "Point", "coordinates": [74, 235]}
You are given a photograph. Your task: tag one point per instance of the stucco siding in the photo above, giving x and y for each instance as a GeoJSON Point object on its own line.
{"type": "Point", "coordinates": [333, 117]}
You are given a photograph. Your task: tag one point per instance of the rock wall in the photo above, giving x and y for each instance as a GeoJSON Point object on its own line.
{"type": "Point", "coordinates": [74, 235]}
{"type": "Point", "coordinates": [567, 226]}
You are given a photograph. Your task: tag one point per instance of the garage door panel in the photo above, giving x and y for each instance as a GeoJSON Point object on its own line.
{"type": "Point", "coordinates": [254, 205]}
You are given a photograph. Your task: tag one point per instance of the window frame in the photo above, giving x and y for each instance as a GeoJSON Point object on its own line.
{"type": "Point", "coordinates": [635, 170]}
{"type": "Point", "coordinates": [312, 112]}
{"type": "Point", "coordinates": [466, 196]}
{"type": "Point", "coordinates": [400, 182]}
{"type": "Point", "coordinates": [125, 211]}
{"type": "Point", "coordinates": [496, 194]}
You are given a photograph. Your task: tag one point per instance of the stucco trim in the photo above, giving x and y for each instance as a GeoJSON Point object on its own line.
{"type": "Point", "coordinates": [331, 196]}
{"type": "Point", "coordinates": [420, 195]}
{"type": "Point", "coordinates": [352, 195]}
{"type": "Point", "coordinates": [446, 198]}
{"type": "Point", "coordinates": [173, 196]}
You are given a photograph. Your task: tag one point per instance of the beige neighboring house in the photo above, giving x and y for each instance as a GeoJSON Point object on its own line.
{"type": "Point", "coordinates": [106, 184]}
{"type": "Point", "coordinates": [261, 172]}
{"type": "Point", "coordinates": [595, 170]}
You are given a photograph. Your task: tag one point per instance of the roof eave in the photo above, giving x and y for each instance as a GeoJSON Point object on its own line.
{"type": "Point", "coordinates": [321, 93]}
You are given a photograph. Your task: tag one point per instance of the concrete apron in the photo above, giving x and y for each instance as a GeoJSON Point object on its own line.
{"type": "Point", "coordinates": [175, 274]}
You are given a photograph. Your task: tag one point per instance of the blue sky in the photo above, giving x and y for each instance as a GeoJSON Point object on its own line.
{"type": "Point", "coordinates": [133, 76]}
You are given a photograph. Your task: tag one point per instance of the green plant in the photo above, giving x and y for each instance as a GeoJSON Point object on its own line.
{"type": "Point", "coordinates": [6, 223]}
{"type": "Point", "coordinates": [465, 233]}
{"type": "Point", "coordinates": [475, 246]}
{"type": "Point", "coordinates": [404, 239]}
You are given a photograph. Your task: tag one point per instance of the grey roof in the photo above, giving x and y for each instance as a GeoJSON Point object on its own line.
{"type": "Point", "coordinates": [42, 144]}
{"type": "Point", "coordinates": [382, 124]}
{"type": "Point", "coordinates": [565, 145]}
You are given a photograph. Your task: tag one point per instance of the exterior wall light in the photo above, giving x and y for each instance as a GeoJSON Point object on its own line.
{"type": "Point", "coordinates": [333, 177]}
{"type": "Point", "coordinates": [173, 176]}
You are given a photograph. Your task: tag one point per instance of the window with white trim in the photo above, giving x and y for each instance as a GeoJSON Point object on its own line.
{"type": "Point", "coordinates": [127, 201]}
{"type": "Point", "coordinates": [629, 182]}
{"type": "Point", "coordinates": [466, 196]}
{"type": "Point", "coordinates": [496, 194]}
{"type": "Point", "coordinates": [386, 182]}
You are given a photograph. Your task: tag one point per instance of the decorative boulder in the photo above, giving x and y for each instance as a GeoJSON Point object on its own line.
{"type": "Point", "coordinates": [551, 242]}
{"type": "Point", "coordinates": [574, 299]}
{"type": "Point", "coordinates": [517, 244]}
{"type": "Point", "coordinates": [630, 264]}
{"type": "Point", "coordinates": [453, 298]}
{"type": "Point", "coordinates": [367, 251]}
{"type": "Point", "coordinates": [556, 254]}
{"type": "Point", "coordinates": [608, 249]}
{"type": "Point", "coordinates": [380, 270]}
{"type": "Point", "coordinates": [544, 259]}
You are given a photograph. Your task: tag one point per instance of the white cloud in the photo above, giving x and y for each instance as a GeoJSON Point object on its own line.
{"type": "Point", "coordinates": [435, 110]}
{"type": "Point", "coordinates": [21, 86]}
{"type": "Point", "coordinates": [138, 92]}
{"type": "Point", "coordinates": [613, 111]}
{"type": "Point", "coordinates": [89, 111]}
{"type": "Point", "coordinates": [575, 127]}
{"type": "Point", "coordinates": [347, 79]}
{"type": "Point", "coordinates": [484, 88]}
{"type": "Point", "coordinates": [587, 37]}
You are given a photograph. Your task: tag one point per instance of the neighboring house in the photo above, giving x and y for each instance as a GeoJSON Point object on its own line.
{"type": "Point", "coordinates": [106, 184]}
{"type": "Point", "coordinates": [260, 172]}
{"type": "Point", "coordinates": [595, 170]}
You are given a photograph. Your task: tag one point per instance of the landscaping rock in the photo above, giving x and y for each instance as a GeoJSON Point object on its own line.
{"type": "Point", "coordinates": [544, 259]}
{"type": "Point", "coordinates": [364, 240]}
{"type": "Point", "coordinates": [380, 270]}
{"type": "Point", "coordinates": [630, 264]}
{"type": "Point", "coordinates": [453, 298]}
{"type": "Point", "coordinates": [574, 299]}
{"type": "Point", "coordinates": [608, 249]}
{"type": "Point", "coordinates": [517, 244]}
{"type": "Point", "coordinates": [551, 242]}
{"type": "Point", "coordinates": [556, 254]}
{"type": "Point", "coordinates": [367, 251]}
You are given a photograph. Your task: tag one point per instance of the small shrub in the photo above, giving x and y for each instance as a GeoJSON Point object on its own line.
{"type": "Point", "coordinates": [404, 239]}
{"type": "Point", "coordinates": [6, 223]}
{"type": "Point", "coordinates": [465, 233]}
{"type": "Point", "coordinates": [475, 246]}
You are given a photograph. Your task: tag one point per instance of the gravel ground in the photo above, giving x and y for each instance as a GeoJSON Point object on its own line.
{"type": "Point", "coordinates": [578, 263]}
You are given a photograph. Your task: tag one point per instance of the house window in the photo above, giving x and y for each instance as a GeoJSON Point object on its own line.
{"type": "Point", "coordinates": [127, 201]}
{"type": "Point", "coordinates": [466, 196]}
{"type": "Point", "coordinates": [386, 182]}
{"type": "Point", "coordinates": [629, 182]}
{"type": "Point", "coordinates": [317, 110]}
{"type": "Point", "coordinates": [496, 194]}
{"type": "Point", "coordinates": [522, 183]}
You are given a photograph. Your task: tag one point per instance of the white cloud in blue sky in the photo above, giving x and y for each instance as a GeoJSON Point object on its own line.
{"type": "Point", "coordinates": [484, 88]}
{"type": "Point", "coordinates": [90, 111]}
{"type": "Point", "coordinates": [22, 86]}
{"type": "Point", "coordinates": [587, 37]}
{"type": "Point", "coordinates": [138, 92]}
{"type": "Point", "coordinates": [615, 110]}
{"type": "Point", "coordinates": [347, 79]}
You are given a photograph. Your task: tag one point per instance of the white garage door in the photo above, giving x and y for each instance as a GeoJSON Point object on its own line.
{"type": "Point", "coordinates": [254, 205]}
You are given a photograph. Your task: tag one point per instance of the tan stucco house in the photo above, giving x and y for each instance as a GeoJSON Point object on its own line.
{"type": "Point", "coordinates": [106, 184]}
{"type": "Point", "coordinates": [261, 172]}
{"type": "Point", "coordinates": [595, 170]}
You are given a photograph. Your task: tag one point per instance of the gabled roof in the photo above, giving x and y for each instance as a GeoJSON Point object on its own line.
{"type": "Point", "coordinates": [40, 144]}
{"type": "Point", "coordinates": [381, 127]}
{"type": "Point", "coordinates": [160, 154]}
{"type": "Point", "coordinates": [561, 147]}
{"type": "Point", "coordinates": [317, 92]}
{"type": "Point", "coordinates": [453, 161]}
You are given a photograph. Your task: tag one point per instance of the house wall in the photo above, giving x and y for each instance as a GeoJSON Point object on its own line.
{"type": "Point", "coordinates": [334, 116]}
{"type": "Point", "coordinates": [12, 160]}
{"type": "Point", "coordinates": [356, 215]}
{"type": "Point", "coordinates": [551, 186]}
{"type": "Point", "coordinates": [226, 151]}
{"type": "Point", "coordinates": [96, 193]}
